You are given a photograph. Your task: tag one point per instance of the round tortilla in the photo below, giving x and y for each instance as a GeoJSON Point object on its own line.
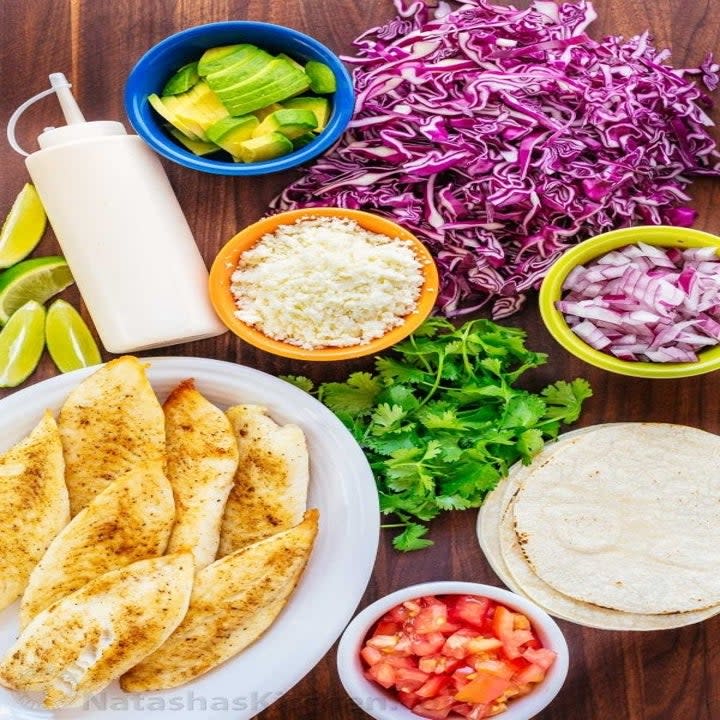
{"type": "Point", "coordinates": [627, 518]}
{"type": "Point", "coordinates": [496, 534]}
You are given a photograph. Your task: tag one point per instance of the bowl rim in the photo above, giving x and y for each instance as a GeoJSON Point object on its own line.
{"type": "Point", "coordinates": [135, 103]}
{"type": "Point", "coordinates": [382, 706]}
{"type": "Point", "coordinates": [551, 290]}
{"type": "Point", "coordinates": [227, 258]}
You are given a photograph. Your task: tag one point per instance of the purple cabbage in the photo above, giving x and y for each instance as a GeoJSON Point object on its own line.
{"type": "Point", "coordinates": [501, 137]}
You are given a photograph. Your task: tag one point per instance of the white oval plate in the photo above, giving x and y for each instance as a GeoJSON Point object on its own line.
{"type": "Point", "coordinates": [341, 487]}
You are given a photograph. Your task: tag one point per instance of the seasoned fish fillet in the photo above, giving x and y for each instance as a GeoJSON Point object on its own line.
{"type": "Point", "coordinates": [128, 521]}
{"type": "Point", "coordinates": [109, 423]}
{"type": "Point", "coordinates": [33, 505]}
{"type": "Point", "coordinates": [80, 644]}
{"type": "Point", "coordinates": [202, 456]}
{"type": "Point", "coordinates": [269, 493]}
{"type": "Point", "coordinates": [233, 602]}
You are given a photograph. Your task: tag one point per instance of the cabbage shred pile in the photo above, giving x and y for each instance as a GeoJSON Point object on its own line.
{"type": "Point", "coordinates": [500, 137]}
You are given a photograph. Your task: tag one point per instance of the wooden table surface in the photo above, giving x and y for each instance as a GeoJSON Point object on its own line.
{"type": "Point", "coordinates": [671, 675]}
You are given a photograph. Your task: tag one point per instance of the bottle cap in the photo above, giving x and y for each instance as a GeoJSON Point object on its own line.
{"type": "Point", "coordinates": [77, 127]}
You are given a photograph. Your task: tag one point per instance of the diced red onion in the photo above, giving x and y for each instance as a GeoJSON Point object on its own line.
{"type": "Point", "coordinates": [664, 307]}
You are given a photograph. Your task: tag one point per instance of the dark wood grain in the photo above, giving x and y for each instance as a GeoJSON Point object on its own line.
{"type": "Point", "coordinates": [670, 675]}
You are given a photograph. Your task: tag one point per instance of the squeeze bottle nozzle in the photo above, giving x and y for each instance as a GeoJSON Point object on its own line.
{"type": "Point", "coordinates": [68, 104]}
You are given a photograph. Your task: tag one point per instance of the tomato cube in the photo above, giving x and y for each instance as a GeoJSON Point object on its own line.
{"type": "Point", "coordinates": [436, 708]}
{"type": "Point", "coordinates": [457, 644]}
{"type": "Point", "coordinates": [371, 655]}
{"type": "Point", "coordinates": [531, 674]}
{"type": "Point", "coordinates": [542, 657]}
{"type": "Point", "coordinates": [483, 688]}
{"type": "Point", "coordinates": [409, 679]}
{"type": "Point", "coordinates": [430, 619]}
{"type": "Point", "coordinates": [471, 609]}
{"type": "Point", "coordinates": [434, 685]}
{"type": "Point", "coordinates": [387, 627]}
{"type": "Point", "coordinates": [400, 661]}
{"type": "Point", "coordinates": [502, 622]}
{"type": "Point", "coordinates": [382, 673]}
{"type": "Point", "coordinates": [409, 700]}
{"type": "Point", "coordinates": [438, 664]}
{"type": "Point", "coordinates": [501, 668]}
{"type": "Point", "coordinates": [427, 644]}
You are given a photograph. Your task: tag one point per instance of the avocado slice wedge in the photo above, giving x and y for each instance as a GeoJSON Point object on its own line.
{"type": "Point", "coordinates": [265, 147]}
{"type": "Point", "coordinates": [291, 123]}
{"type": "Point", "coordinates": [197, 108]}
{"type": "Point", "coordinates": [230, 132]}
{"type": "Point", "coordinates": [161, 108]}
{"type": "Point", "coordinates": [322, 78]}
{"type": "Point", "coordinates": [319, 106]}
{"type": "Point", "coordinates": [196, 147]}
{"type": "Point", "coordinates": [217, 58]}
{"type": "Point", "coordinates": [182, 80]}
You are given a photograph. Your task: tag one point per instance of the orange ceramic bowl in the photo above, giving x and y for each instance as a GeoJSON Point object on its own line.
{"type": "Point", "coordinates": [227, 260]}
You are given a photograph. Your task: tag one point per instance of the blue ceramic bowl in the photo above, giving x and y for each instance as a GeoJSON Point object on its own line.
{"type": "Point", "coordinates": [157, 65]}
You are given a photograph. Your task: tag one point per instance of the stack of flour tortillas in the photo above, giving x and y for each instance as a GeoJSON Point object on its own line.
{"type": "Point", "coordinates": [613, 526]}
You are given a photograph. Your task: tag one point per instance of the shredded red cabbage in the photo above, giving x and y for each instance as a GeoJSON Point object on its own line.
{"type": "Point", "coordinates": [501, 137]}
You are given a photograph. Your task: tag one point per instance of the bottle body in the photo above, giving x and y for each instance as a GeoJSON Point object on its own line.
{"type": "Point", "coordinates": [127, 242]}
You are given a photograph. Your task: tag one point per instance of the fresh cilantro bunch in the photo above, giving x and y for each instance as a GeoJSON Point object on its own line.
{"type": "Point", "coordinates": [441, 420]}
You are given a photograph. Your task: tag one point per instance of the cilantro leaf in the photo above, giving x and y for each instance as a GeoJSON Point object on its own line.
{"type": "Point", "coordinates": [411, 538]}
{"type": "Point", "coordinates": [386, 418]}
{"type": "Point", "coordinates": [523, 411]}
{"type": "Point", "coordinates": [564, 399]}
{"type": "Point", "coordinates": [356, 396]}
{"type": "Point", "coordinates": [299, 381]}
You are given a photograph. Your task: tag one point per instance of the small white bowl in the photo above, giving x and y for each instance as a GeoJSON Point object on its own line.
{"type": "Point", "coordinates": [380, 704]}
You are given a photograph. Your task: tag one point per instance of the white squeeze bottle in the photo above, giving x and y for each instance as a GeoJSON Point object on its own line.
{"type": "Point", "coordinates": [121, 229]}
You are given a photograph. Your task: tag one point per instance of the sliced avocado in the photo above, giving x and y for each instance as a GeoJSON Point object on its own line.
{"type": "Point", "coordinates": [199, 107]}
{"type": "Point", "coordinates": [303, 140]}
{"type": "Point", "coordinates": [161, 108]}
{"type": "Point", "coordinates": [265, 147]}
{"type": "Point", "coordinates": [238, 68]}
{"type": "Point", "coordinates": [277, 81]}
{"type": "Point", "coordinates": [196, 147]}
{"type": "Point", "coordinates": [289, 59]}
{"type": "Point", "coordinates": [217, 58]}
{"type": "Point", "coordinates": [182, 80]}
{"type": "Point", "coordinates": [230, 132]}
{"type": "Point", "coordinates": [322, 79]}
{"type": "Point", "coordinates": [291, 123]}
{"type": "Point", "coordinates": [263, 112]}
{"type": "Point", "coordinates": [319, 106]}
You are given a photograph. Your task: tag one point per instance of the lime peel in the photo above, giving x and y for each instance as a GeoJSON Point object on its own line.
{"type": "Point", "coordinates": [36, 279]}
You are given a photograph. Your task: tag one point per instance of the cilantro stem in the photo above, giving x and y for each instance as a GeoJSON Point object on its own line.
{"type": "Point", "coordinates": [436, 384]}
{"type": "Point", "coordinates": [420, 355]}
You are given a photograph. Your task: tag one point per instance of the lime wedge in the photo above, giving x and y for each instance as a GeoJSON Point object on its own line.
{"type": "Point", "coordinates": [37, 279]}
{"type": "Point", "coordinates": [69, 341]}
{"type": "Point", "coordinates": [23, 227]}
{"type": "Point", "coordinates": [21, 344]}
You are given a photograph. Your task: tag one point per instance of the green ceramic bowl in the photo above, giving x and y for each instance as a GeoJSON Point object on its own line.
{"type": "Point", "coordinates": [551, 291]}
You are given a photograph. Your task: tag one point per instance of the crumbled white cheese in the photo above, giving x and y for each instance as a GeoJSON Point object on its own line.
{"type": "Point", "coordinates": [326, 282]}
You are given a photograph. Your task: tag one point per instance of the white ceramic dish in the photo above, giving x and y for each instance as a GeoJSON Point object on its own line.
{"type": "Point", "coordinates": [341, 486]}
{"type": "Point", "coordinates": [379, 704]}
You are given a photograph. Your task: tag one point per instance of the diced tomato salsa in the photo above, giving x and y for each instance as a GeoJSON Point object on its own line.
{"type": "Point", "coordinates": [455, 656]}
